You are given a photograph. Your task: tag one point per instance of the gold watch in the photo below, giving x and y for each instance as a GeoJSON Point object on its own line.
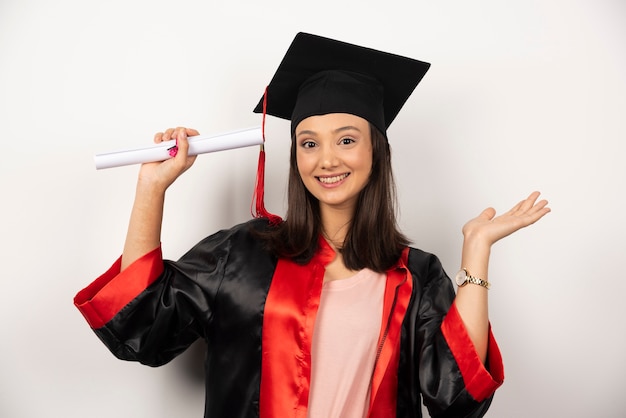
{"type": "Point", "coordinates": [463, 277]}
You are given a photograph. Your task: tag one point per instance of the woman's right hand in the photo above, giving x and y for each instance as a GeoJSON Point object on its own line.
{"type": "Point", "coordinates": [162, 174]}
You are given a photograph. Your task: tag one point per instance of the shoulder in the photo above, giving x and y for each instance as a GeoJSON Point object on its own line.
{"type": "Point", "coordinates": [243, 237]}
{"type": "Point", "coordinates": [425, 267]}
{"type": "Point", "coordinates": [245, 230]}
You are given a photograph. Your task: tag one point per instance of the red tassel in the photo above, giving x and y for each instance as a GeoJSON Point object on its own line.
{"type": "Point", "coordinates": [258, 199]}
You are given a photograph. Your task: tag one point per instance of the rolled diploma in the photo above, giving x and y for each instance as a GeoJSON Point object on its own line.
{"type": "Point", "coordinates": [199, 144]}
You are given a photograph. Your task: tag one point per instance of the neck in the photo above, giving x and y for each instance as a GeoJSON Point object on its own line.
{"type": "Point", "coordinates": [335, 225]}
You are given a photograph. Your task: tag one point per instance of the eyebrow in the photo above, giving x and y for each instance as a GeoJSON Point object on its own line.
{"type": "Point", "coordinates": [338, 130]}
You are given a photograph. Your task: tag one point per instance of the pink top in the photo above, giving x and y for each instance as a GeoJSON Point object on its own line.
{"type": "Point", "coordinates": [345, 336]}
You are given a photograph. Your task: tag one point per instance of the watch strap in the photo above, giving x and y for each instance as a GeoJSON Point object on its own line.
{"type": "Point", "coordinates": [479, 282]}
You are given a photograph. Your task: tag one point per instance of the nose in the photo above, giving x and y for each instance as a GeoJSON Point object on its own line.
{"type": "Point", "coordinates": [328, 158]}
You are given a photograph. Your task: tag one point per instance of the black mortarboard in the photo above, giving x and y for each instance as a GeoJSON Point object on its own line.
{"type": "Point", "coordinates": [320, 75]}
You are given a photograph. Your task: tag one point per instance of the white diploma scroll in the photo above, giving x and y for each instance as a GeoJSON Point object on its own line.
{"type": "Point", "coordinates": [199, 144]}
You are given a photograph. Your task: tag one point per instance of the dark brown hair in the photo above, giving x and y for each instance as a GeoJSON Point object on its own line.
{"type": "Point", "coordinates": [373, 239]}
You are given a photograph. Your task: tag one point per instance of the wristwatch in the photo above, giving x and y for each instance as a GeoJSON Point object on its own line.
{"type": "Point", "coordinates": [463, 277]}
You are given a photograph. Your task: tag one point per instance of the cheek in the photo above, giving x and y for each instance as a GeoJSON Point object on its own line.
{"type": "Point", "coordinates": [303, 164]}
{"type": "Point", "coordinates": [298, 165]}
{"type": "Point", "coordinates": [365, 162]}
{"type": "Point", "coordinates": [301, 169]}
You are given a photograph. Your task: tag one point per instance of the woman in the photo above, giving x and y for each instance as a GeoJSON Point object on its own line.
{"type": "Point", "coordinates": [327, 313]}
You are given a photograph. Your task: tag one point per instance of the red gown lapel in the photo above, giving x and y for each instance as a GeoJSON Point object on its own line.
{"type": "Point", "coordinates": [289, 316]}
{"type": "Point", "coordinates": [385, 378]}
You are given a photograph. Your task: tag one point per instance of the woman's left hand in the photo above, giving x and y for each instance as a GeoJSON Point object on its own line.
{"type": "Point", "coordinates": [489, 228]}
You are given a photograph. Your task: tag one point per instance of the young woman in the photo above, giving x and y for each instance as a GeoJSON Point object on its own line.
{"type": "Point", "coordinates": [328, 313]}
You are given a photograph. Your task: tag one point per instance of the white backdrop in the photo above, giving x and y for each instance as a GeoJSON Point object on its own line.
{"type": "Point", "coordinates": [521, 96]}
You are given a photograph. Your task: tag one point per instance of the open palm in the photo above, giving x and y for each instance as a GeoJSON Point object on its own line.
{"type": "Point", "coordinates": [491, 228]}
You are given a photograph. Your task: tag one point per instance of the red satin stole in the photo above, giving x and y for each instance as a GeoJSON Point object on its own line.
{"type": "Point", "coordinates": [289, 317]}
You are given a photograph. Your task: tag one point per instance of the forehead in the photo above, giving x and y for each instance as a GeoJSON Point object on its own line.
{"type": "Point", "coordinates": [333, 122]}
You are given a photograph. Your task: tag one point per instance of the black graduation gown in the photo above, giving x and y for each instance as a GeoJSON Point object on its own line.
{"type": "Point", "coordinates": [218, 291]}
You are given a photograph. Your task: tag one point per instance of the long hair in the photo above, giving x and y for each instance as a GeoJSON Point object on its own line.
{"type": "Point", "coordinates": [373, 239]}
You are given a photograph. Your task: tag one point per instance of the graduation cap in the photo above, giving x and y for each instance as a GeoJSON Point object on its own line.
{"type": "Point", "coordinates": [318, 76]}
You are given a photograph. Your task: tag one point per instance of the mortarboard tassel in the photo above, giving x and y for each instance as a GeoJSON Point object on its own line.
{"type": "Point", "coordinates": [258, 199]}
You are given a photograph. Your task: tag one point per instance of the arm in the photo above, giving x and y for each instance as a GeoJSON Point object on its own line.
{"type": "Point", "coordinates": [150, 331]}
{"type": "Point", "coordinates": [144, 229]}
{"type": "Point", "coordinates": [479, 235]}
{"type": "Point", "coordinates": [442, 366]}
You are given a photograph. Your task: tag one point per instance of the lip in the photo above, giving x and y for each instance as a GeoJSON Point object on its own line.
{"type": "Point", "coordinates": [340, 179]}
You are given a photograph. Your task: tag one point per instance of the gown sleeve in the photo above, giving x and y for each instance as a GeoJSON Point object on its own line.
{"type": "Point", "coordinates": [146, 313]}
{"type": "Point", "coordinates": [481, 380]}
{"type": "Point", "coordinates": [452, 379]}
{"type": "Point", "coordinates": [155, 309]}
{"type": "Point", "coordinates": [108, 294]}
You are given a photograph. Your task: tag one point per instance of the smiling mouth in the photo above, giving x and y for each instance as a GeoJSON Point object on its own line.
{"type": "Point", "coordinates": [334, 179]}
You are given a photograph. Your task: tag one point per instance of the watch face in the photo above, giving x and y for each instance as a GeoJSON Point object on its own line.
{"type": "Point", "coordinates": [461, 278]}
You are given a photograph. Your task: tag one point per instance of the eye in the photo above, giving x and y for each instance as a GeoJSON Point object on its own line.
{"type": "Point", "coordinates": [346, 141]}
{"type": "Point", "coordinates": [308, 144]}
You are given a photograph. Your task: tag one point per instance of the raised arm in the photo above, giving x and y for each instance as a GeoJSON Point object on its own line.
{"type": "Point", "coordinates": [479, 235]}
{"type": "Point", "coordinates": [144, 229]}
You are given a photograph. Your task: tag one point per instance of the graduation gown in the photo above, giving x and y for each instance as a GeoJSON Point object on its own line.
{"type": "Point", "coordinates": [256, 313]}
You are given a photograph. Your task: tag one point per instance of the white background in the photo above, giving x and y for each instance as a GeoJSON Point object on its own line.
{"type": "Point", "coordinates": [521, 96]}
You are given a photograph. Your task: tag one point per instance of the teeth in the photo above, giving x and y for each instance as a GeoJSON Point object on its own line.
{"type": "Point", "coordinates": [330, 180]}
